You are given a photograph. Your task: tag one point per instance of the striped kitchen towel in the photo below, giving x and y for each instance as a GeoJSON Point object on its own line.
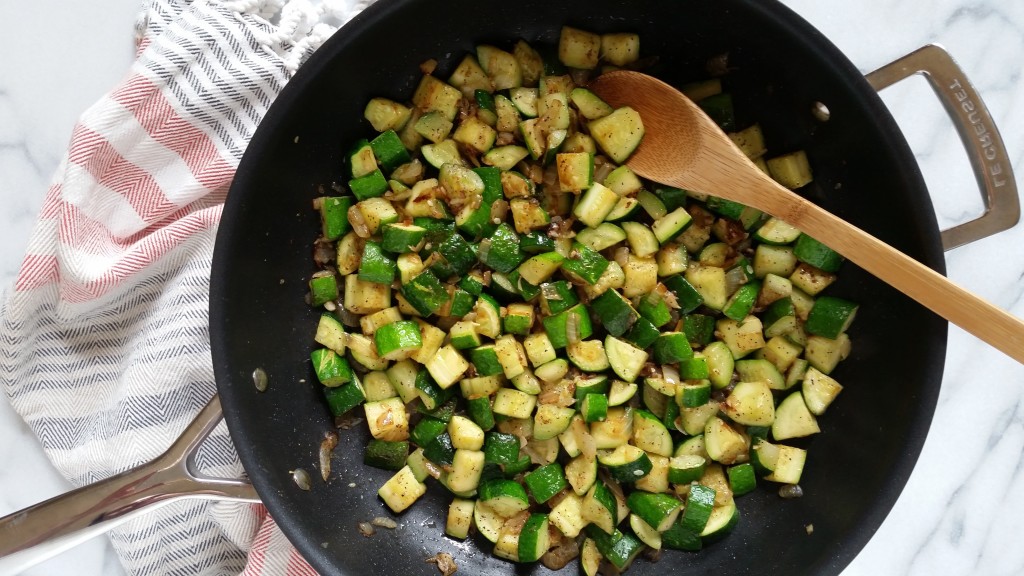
{"type": "Point", "coordinates": [104, 345]}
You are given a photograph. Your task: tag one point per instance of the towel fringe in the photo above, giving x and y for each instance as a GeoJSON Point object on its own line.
{"type": "Point", "coordinates": [294, 29]}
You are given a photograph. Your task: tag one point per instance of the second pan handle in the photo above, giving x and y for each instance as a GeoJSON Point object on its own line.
{"type": "Point", "coordinates": [977, 131]}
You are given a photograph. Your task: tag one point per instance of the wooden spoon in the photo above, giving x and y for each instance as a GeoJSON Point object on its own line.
{"type": "Point", "coordinates": [683, 147]}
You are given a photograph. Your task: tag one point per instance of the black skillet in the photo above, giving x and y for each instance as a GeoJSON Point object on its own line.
{"type": "Point", "coordinates": [780, 66]}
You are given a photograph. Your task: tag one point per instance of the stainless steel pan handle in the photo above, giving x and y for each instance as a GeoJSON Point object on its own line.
{"type": "Point", "coordinates": [34, 534]}
{"type": "Point", "coordinates": [977, 131]}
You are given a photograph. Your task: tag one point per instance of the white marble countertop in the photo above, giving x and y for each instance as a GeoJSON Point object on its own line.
{"type": "Point", "coordinates": [963, 508]}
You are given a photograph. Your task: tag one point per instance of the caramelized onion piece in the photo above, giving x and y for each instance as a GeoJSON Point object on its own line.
{"type": "Point", "coordinates": [445, 563]}
{"type": "Point", "coordinates": [384, 522]}
{"type": "Point", "coordinates": [367, 529]}
{"type": "Point", "coordinates": [326, 448]}
{"type": "Point", "coordinates": [560, 554]}
{"type": "Point", "coordinates": [359, 225]}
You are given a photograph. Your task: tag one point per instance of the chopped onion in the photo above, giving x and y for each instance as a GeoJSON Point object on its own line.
{"type": "Point", "coordinates": [326, 448]}
{"type": "Point", "coordinates": [433, 469]}
{"type": "Point", "coordinates": [550, 176]}
{"type": "Point", "coordinates": [735, 278]}
{"type": "Point", "coordinates": [384, 522]}
{"type": "Point", "coordinates": [445, 563]}
{"type": "Point", "coordinates": [499, 210]}
{"type": "Point", "coordinates": [572, 328]}
{"type": "Point", "coordinates": [535, 174]}
{"type": "Point", "coordinates": [359, 225]}
{"type": "Point", "coordinates": [514, 525]}
{"type": "Point", "coordinates": [670, 373]}
{"type": "Point", "coordinates": [621, 256]}
{"type": "Point", "coordinates": [367, 529]}
{"type": "Point", "coordinates": [348, 318]}
{"type": "Point", "coordinates": [434, 258]}
{"type": "Point", "coordinates": [602, 169]}
{"type": "Point", "coordinates": [485, 249]}
{"type": "Point", "coordinates": [324, 252]}
{"type": "Point", "coordinates": [669, 297]}
{"type": "Point", "coordinates": [588, 445]}
{"type": "Point", "coordinates": [348, 420]}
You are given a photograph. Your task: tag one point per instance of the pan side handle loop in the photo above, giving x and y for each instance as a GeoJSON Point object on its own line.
{"type": "Point", "coordinates": [978, 133]}
{"type": "Point", "coordinates": [39, 532]}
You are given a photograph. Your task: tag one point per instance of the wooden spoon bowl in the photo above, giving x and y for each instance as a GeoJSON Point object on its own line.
{"type": "Point", "coordinates": [684, 148]}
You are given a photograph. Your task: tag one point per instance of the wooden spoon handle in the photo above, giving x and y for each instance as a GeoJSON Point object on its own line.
{"type": "Point", "coordinates": [989, 323]}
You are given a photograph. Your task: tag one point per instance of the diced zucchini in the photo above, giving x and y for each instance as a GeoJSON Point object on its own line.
{"type": "Point", "coordinates": [830, 316]}
{"type": "Point", "coordinates": [595, 204]}
{"type": "Point", "coordinates": [539, 348]}
{"type": "Point", "coordinates": [641, 276]}
{"type": "Point", "coordinates": [575, 171]}
{"type": "Point", "coordinates": [671, 225]}
{"type": "Point", "coordinates": [570, 325]}
{"type": "Point", "coordinates": [579, 48]}
{"type": "Point", "coordinates": [641, 239]}
{"type": "Point", "coordinates": [619, 548]}
{"type": "Point", "coordinates": [365, 297]}
{"type": "Point", "coordinates": [825, 353]}
{"type": "Point", "coordinates": [467, 466]}
{"type": "Point", "coordinates": [792, 170]}
{"type": "Point", "coordinates": [588, 355]}
{"type": "Point", "coordinates": [742, 337]}
{"type": "Point", "coordinates": [615, 430]}
{"type": "Point", "coordinates": [460, 518]}
{"type": "Point", "coordinates": [625, 359]}
{"type": "Point", "coordinates": [533, 538]}
{"type": "Point", "coordinates": [551, 420]}
{"type": "Point", "coordinates": [501, 67]}
{"type": "Point", "coordinates": [402, 490]}
{"type": "Point", "coordinates": [621, 392]}
{"type": "Point", "coordinates": [618, 134]}
{"type": "Point", "coordinates": [723, 442]}
{"type": "Point", "coordinates": [487, 522]}
{"type": "Point", "coordinates": [789, 465]}
{"type": "Point", "coordinates": [819, 390]}
{"type": "Point", "coordinates": [626, 463]}
{"type": "Point", "coordinates": [590, 105]}
{"type": "Point", "coordinates": [567, 515]}
{"type": "Point", "coordinates": [545, 481]}
{"type": "Point", "coordinates": [600, 508]}
{"type": "Point", "coordinates": [751, 404]}
{"type": "Point", "coordinates": [469, 76]}
{"type": "Point", "coordinates": [530, 62]}
{"type": "Point", "coordinates": [434, 94]}
{"type": "Point", "coordinates": [384, 114]}
{"type": "Point", "coordinates": [650, 434]}
{"type": "Point", "coordinates": [446, 366]}
{"type": "Point", "coordinates": [793, 419]}
{"type": "Point", "coordinates": [514, 403]}
{"type": "Point", "coordinates": [331, 369]}
{"type": "Point", "coordinates": [659, 511]}
{"type": "Point", "coordinates": [475, 134]}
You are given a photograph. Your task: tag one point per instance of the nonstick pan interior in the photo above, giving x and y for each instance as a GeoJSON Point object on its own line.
{"type": "Point", "coordinates": [780, 68]}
